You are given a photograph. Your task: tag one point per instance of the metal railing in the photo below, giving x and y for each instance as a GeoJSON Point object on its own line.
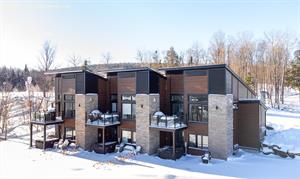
{"type": "Point", "coordinates": [44, 116]}
{"type": "Point", "coordinates": [103, 119]}
{"type": "Point", "coordinates": [167, 121]}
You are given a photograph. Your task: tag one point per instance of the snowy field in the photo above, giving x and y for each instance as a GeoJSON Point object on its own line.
{"type": "Point", "coordinates": [18, 161]}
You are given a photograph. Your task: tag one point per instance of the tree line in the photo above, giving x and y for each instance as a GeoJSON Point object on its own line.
{"type": "Point", "coordinates": [268, 64]}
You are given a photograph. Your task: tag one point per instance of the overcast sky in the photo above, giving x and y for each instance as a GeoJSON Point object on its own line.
{"type": "Point", "coordinates": [89, 28]}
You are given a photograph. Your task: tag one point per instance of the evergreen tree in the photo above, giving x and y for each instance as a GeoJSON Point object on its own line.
{"type": "Point", "coordinates": [293, 73]}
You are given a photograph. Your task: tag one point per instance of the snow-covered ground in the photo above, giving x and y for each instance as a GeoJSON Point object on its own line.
{"type": "Point", "coordinates": [17, 160]}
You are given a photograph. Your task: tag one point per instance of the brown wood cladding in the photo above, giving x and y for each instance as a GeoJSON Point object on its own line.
{"type": "Point", "coordinates": [248, 125]}
{"type": "Point", "coordinates": [112, 84]}
{"type": "Point", "coordinates": [235, 127]}
{"type": "Point", "coordinates": [196, 84]}
{"type": "Point", "coordinates": [176, 83]}
{"type": "Point", "coordinates": [69, 123]}
{"type": "Point", "coordinates": [126, 85]}
{"type": "Point", "coordinates": [102, 95]}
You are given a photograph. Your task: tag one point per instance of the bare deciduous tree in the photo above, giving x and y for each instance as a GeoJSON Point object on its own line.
{"type": "Point", "coordinates": [46, 60]}
{"type": "Point", "coordinates": [5, 106]}
{"type": "Point", "coordinates": [75, 60]}
{"type": "Point", "coordinates": [217, 48]}
{"type": "Point", "coordinates": [107, 57]}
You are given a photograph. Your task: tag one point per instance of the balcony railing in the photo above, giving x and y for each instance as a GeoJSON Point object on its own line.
{"type": "Point", "coordinates": [103, 119]}
{"type": "Point", "coordinates": [44, 116]}
{"type": "Point", "coordinates": [170, 122]}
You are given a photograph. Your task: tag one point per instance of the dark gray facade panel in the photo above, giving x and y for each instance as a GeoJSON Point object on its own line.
{"type": "Point", "coordinates": [91, 83]}
{"type": "Point", "coordinates": [142, 82]}
{"type": "Point", "coordinates": [216, 81]}
{"type": "Point", "coordinates": [79, 83]}
{"type": "Point", "coordinates": [154, 82]}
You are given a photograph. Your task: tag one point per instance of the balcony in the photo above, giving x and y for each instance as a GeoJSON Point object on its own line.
{"type": "Point", "coordinates": [159, 120]}
{"type": "Point", "coordinates": [103, 119]}
{"type": "Point", "coordinates": [45, 117]}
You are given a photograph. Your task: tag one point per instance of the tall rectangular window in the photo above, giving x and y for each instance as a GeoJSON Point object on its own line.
{"type": "Point", "coordinates": [177, 105]}
{"type": "Point", "coordinates": [128, 106]}
{"type": "Point", "coordinates": [69, 106]}
{"type": "Point", "coordinates": [198, 108]}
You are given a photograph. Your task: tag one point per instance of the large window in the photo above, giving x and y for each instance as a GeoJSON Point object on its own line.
{"type": "Point", "coordinates": [177, 105]}
{"type": "Point", "coordinates": [69, 106]}
{"type": "Point", "coordinates": [198, 108]}
{"type": "Point", "coordinates": [198, 141]}
{"type": "Point", "coordinates": [114, 104]}
{"type": "Point", "coordinates": [128, 107]}
{"type": "Point", "coordinates": [128, 136]}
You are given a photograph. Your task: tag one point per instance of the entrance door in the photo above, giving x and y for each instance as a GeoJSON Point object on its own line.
{"type": "Point", "coordinates": [166, 139]}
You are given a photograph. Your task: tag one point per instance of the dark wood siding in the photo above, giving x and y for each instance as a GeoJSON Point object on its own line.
{"type": "Point", "coordinates": [217, 81]}
{"type": "Point", "coordinates": [194, 84]}
{"type": "Point", "coordinates": [248, 125]}
{"type": "Point", "coordinates": [176, 83]}
{"type": "Point", "coordinates": [235, 126]}
{"type": "Point", "coordinates": [102, 95]}
{"type": "Point", "coordinates": [112, 84]}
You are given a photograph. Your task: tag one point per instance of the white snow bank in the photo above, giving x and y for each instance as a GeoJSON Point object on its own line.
{"type": "Point", "coordinates": [286, 139]}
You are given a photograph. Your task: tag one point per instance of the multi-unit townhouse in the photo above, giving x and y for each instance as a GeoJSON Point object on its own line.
{"type": "Point", "coordinates": [189, 109]}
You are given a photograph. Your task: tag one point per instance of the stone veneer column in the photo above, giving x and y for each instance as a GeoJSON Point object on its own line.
{"type": "Point", "coordinates": [85, 135]}
{"type": "Point", "coordinates": [146, 105]}
{"type": "Point", "coordinates": [220, 125]}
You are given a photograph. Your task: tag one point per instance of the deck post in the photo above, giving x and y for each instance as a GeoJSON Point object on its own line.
{"type": "Point", "coordinates": [30, 144]}
{"type": "Point", "coordinates": [44, 144]}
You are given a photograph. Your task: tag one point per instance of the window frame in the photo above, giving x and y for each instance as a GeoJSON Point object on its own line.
{"type": "Point", "coordinates": [71, 101]}
{"type": "Point", "coordinates": [132, 136]}
{"type": "Point", "coordinates": [200, 146]}
{"type": "Point", "coordinates": [201, 103]}
{"type": "Point", "coordinates": [132, 103]}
